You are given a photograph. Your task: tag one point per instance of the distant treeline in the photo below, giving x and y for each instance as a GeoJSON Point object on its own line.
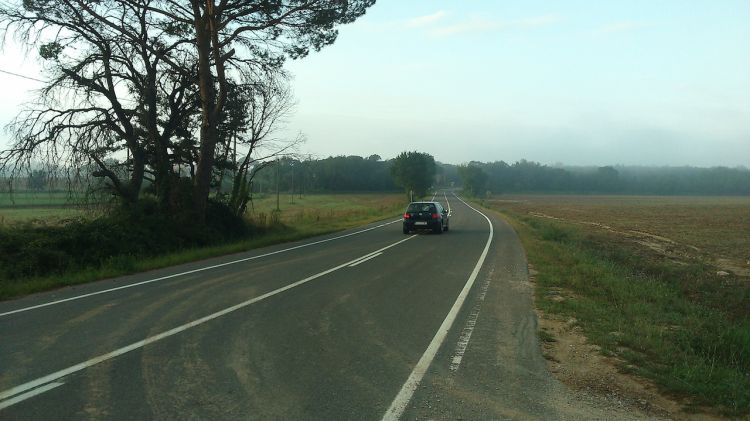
{"type": "Point", "coordinates": [355, 173]}
{"type": "Point", "coordinates": [525, 176]}
{"type": "Point", "coordinates": [332, 174]}
{"type": "Point", "coordinates": [370, 174]}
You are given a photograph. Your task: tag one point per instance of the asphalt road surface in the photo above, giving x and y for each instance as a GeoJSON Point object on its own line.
{"type": "Point", "coordinates": [364, 324]}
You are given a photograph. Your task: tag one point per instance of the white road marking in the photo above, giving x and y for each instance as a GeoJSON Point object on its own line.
{"type": "Point", "coordinates": [450, 212]}
{"type": "Point", "coordinates": [27, 395]}
{"type": "Point", "coordinates": [78, 297]}
{"type": "Point", "coordinates": [45, 380]}
{"type": "Point", "coordinates": [398, 406]}
{"type": "Point", "coordinates": [365, 259]}
{"type": "Point", "coordinates": [463, 340]}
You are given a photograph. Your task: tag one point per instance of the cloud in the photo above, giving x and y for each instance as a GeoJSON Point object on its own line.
{"type": "Point", "coordinates": [479, 24]}
{"type": "Point", "coordinates": [426, 20]}
{"type": "Point", "coordinates": [470, 25]}
{"type": "Point", "coordinates": [620, 27]}
{"type": "Point", "coordinates": [536, 21]}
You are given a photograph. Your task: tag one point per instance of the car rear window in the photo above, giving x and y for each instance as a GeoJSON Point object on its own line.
{"type": "Point", "coordinates": [421, 207]}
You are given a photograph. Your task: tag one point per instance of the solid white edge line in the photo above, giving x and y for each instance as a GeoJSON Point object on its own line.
{"type": "Point", "coordinates": [78, 297]}
{"type": "Point", "coordinates": [31, 394]}
{"type": "Point", "coordinates": [400, 402]}
{"type": "Point", "coordinates": [140, 344]}
{"type": "Point", "coordinates": [365, 259]}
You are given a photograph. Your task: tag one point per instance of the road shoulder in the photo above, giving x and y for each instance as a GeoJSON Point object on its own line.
{"type": "Point", "coordinates": [502, 373]}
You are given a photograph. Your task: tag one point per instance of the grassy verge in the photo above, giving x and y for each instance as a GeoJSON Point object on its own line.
{"type": "Point", "coordinates": [676, 323]}
{"type": "Point", "coordinates": [308, 217]}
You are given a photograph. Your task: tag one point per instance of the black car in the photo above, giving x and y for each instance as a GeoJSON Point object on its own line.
{"type": "Point", "coordinates": [426, 215]}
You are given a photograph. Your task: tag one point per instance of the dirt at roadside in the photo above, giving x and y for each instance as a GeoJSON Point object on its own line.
{"type": "Point", "coordinates": [581, 366]}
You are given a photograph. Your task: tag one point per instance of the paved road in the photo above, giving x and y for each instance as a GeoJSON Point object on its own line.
{"type": "Point", "coordinates": [354, 325]}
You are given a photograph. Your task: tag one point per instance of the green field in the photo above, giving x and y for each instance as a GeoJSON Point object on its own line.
{"type": "Point", "coordinates": [35, 198]}
{"type": "Point", "coordinates": [43, 207]}
{"type": "Point", "coordinates": [659, 283]}
{"type": "Point", "coordinates": [299, 218]}
{"type": "Point", "coordinates": [330, 211]}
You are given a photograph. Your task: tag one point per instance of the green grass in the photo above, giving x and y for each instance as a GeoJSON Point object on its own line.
{"type": "Point", "coordinates": [328, 209]}
{"type": "Point", "coordinates": [46, 215]}
{"type": "Point", "coordinates": [35, 198]}
{"type": "Point", "coordinates": [310, 216]}
{"type": "Point", "coordinates": [40, 207]}
{"type": "Point", "coordinates": [676, 323]}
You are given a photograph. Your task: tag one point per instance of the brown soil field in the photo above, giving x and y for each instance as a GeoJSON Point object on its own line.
{"type": "Point", "coordinates": [715, 230]}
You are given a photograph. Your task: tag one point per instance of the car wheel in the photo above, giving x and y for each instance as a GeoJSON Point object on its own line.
{"type": "Point", "coordinates": [406, 230]}
{"type": "Point", "coordinates": [446, 226]}
{"type": "Point", "coordinates": [438, 229]}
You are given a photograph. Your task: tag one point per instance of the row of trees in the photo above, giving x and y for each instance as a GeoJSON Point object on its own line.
{"type": "Point", "coordinates": [526, 177]}
{"type": "Point", "coordinates": [409, 171]}
{"type": "Point", "coordinates": [162, 92]}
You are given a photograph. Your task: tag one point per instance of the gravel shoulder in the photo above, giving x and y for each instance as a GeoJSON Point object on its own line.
{"type": "Point", "coordinates": [503, 373]}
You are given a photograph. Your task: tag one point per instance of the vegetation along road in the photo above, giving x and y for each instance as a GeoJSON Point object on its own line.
{"type": "Point", "coordinates": [362, 324]}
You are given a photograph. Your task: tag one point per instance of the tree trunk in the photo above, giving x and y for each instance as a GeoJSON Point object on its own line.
{"type": "Point", "coordinates": [209, 134]}
{"type": "Point", "coordinates": [136, 176]}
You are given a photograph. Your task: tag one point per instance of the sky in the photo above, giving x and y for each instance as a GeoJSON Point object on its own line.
{"type": "Point", "coordinates": [631, 82]}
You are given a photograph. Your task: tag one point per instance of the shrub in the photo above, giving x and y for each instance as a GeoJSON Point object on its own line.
{"type": "Point", "coordinates": [114, 240]}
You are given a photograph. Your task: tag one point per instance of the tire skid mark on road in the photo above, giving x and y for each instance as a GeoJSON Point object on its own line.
{"type": "Point", "coordinates": [98, 386]}
{"type": "Point", "coordinates": [15, 392]}
{"type": "Point", "coordinates": [169, 379]}
{"type": "Point", "coordinates": [78, 297]}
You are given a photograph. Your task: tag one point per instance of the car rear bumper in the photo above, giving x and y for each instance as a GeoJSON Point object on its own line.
{"type": "Point", "coordinates": [414, 225]}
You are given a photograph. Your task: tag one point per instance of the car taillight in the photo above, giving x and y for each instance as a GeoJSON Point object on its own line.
{"type": "Point", "coordinates": [406, 216]}
{"type": "Point", "coordinates": [435, 215]}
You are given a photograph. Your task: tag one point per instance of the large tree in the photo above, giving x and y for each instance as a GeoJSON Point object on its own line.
{"type": "Point", "coordinates": [414, 171]}
{"type": "Point", "coordinates": [238, 35]}
{"type": "Point", "coordinates": [146, 82]}
{"type": "Point", "coordinates": [119, 97]}
{"type": "Point", "coordinates": [474, 179]}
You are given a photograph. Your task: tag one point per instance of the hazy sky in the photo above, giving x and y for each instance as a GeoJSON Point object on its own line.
{"type": "Point", "coordinates": [577, 82]}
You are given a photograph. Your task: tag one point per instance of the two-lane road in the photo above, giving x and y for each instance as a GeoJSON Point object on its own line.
{"type": "Point", "coordinates": [364, 324]}
{"type": "Point", "coordinates": [322, 329]}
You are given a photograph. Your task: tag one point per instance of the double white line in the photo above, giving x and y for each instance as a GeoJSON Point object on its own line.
{"type": "Point", "coordinates": [43, 384]}
{"type": "Point", "coordinates": [366, 258]}
{"type": "Point", "coordinates": [205, 268]}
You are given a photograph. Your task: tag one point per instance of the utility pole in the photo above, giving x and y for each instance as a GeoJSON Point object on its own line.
{"type": "Point", "coordinates": [277, 184]}
{"type": "Point", "coordinates": [291, 197]}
